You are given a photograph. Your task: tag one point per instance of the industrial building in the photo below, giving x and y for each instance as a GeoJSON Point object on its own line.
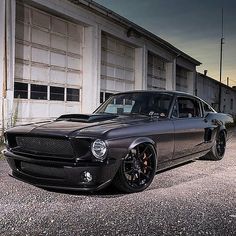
{"type": "Point", "coordinates": [68, 56]}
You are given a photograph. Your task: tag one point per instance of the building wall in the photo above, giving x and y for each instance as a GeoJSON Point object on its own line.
{"type": "Point", "coordinates": [55, 43]}
{"type": "Point", "coordinates": [208, 90]}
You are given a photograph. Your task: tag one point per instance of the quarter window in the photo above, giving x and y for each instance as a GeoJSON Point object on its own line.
{"type": "Point", "coordinates": [188, 108]}
{"type": "Point", "coordinates": [38, 92]}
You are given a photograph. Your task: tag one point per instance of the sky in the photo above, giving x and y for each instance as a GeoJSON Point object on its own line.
{"type": "Point", "coordinates": [193, 26]}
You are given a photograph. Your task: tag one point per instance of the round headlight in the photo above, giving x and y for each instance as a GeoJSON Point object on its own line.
{"type": "Point", "coordinates": [99, 149]}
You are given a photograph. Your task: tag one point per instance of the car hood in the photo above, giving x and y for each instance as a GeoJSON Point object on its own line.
{"type": "Point", "coordinates": [74, 125]}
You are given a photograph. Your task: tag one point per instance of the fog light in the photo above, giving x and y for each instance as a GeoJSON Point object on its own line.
{"type": "Point", "coordinates": [86, 176]}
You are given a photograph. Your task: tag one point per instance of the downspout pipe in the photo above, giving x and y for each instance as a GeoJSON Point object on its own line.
{"type": "Point", "coordinates": [4, 87]}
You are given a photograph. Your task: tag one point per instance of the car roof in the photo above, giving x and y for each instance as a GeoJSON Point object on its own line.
{"type": "Point", "coordinates": [160, 91]}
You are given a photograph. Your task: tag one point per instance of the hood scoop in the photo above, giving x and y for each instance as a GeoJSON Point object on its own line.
{"type": "Point", "coordinates": [86, 118]}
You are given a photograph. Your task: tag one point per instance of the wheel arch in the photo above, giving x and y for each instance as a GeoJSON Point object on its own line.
{"type": "Point", "coordinates": [144, 140]}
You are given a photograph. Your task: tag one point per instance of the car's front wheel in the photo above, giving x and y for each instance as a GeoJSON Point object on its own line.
{"type": "Point", "coordinates": [137, 169]}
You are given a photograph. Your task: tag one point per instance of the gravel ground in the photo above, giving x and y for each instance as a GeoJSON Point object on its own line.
{"type": "Point", "coordinates": [198, 198]}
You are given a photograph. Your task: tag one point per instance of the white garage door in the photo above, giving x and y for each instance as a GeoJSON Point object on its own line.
{"type": "Point", "coordinates": [181, 79]}
{"type": "Point", "coordinates": [117, 66]}
{"type": "Point", "coordinates": [156, 75]}
{"type": "Point", "coordinates": [48, 77]}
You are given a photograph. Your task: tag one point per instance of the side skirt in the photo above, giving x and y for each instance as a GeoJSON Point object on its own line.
{"type": "Point", "coordinates": [175, 162]}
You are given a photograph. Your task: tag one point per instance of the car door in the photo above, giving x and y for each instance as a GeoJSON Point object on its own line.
{"type": "Point", "coordinates": [189, 126]}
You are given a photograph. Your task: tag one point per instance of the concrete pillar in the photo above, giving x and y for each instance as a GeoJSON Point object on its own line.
{"type": "Point", "coordinates": [2, 50]}
{"type": "Point", "coordinates": [91, 69]}
{"type": "Point", "coordinates": [191, 81]}
{"type": "Point", "coordinates": [141, 68]}
{"type": "Point", "coordinates": [7, 58]}
{"type": "Point", "coordinates": [171, 75]}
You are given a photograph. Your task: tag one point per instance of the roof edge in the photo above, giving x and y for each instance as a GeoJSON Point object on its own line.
{"type": "Point", "coordinates": [109, 13]}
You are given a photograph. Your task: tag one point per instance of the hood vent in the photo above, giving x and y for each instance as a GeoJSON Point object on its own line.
{"type": "Point", "coordinates": [87, 118]}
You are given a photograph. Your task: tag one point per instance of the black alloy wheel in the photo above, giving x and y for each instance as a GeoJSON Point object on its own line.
{"type": "Point", "coordinates": [218, 150]}
{"type": "Point", "coordinates": [137, 169]}
{"type": "Point", "coordinates": [220, 144]}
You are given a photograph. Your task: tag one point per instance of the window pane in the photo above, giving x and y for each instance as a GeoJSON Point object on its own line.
{"type": "Point", "coordinates": [57, 93]}
{"type": "Point", "coordinates": [107, 95]}
{"type": "Point", "coordinates": [20, 90]}
{"type": "Point", "coordinates": [101, 97]}
{"type": "Point", "coordinates": [188, 108]}
{"type": "Point", "coordinates": [72, 94]}
{"type": "Point", "coordinates": [39, 92]}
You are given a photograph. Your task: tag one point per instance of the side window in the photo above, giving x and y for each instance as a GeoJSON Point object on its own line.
{"type": "Point", "coordinates": [188, 108]}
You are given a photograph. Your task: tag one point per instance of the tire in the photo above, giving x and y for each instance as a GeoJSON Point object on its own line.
{"type": "Point", "coordinates": [218, 150]}
{"type": "Point", "coordinates": [137, 169]}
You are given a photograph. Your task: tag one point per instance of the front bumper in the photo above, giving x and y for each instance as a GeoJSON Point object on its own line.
{"type": "Point", "coordinates": [60, 175]}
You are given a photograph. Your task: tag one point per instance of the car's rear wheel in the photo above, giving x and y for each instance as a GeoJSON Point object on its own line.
{"type": "Point", "coordinates": [218, 150]}
{"type": "Point", "coordinates": [137, 169]}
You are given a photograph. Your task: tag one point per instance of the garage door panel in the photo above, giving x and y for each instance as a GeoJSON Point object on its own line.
{"type": "Point", "coordinates": [72, 108]}
{"type": "Point", "coordinates": [22, 31]}
{"type": "Point", "coordinates": [23, 14]}
{"type": "Point", "coordinates": [40, 55]}
{"type": "Point", "coordinates": [117, 65]}
{"type": "Point", "coordinates": [56, 109]}
{"type": "Point", "coordinates": [40, 19]}
{"type": "Point", "coordinates": [129, 75]}
{"type": "Point", "coordinates": [39, 73]}
{"type": "Point", "coordinates": [75, 32]}
{"type": "Point", "coordinates": [40, 37]}
{"type": "Point", "coordinates": [156, 75]}
{"type": "Point", "coordinates": [59, 26]}
{"type": "Point", "coordinates": [58, 76]}
{"type": "Point", "coordinates": [74, 46]}
{"type": "Point", "coordinates": [119, 73]}
{"type": "Point", "coordinates": [74, 79]}
{"type": "Point", "coordinates": [119, 85]}
{"type": "Point", "coordinates": [58, 42]}
{"type": "Point", "coordinates": [22, 71]}
{"type": "Point", "coordinates": [22, 51]}
{"type": "Point", "coordinates": [120, 48]}
{"type": "Point", "coordinates": [48, 53]}
{"type": "Point", "coordinates": [129, 87]}
{"type": "Point", "coordinates": [58, 59]}
{"type": "Point", "coordinates": [74, 63]}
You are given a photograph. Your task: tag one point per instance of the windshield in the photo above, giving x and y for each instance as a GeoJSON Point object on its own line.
{"type": "Point", "coordinates": [137, 103]}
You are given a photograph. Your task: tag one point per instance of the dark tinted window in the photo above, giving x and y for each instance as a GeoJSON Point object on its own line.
{"type": "Point", "coordinates": [138, 103]}
{"type": "Point", "coordinates": [57, 93]}
{"type": "Point", "coordinates": [20, 90]}
{"type": "Point", "coordinates": [107, 95]}
{"type": "Point", "coordinates": [101, 97]}
{"type": "Point", "coordinates": [72, 94]}
{"type": "Point", "coordinates": [39, 92]}
{"type": "Point", "coordinates": [188, 108]}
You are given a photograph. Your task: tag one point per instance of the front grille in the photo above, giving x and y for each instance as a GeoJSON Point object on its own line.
{"type": "Point", "coordinates": [44, 146]}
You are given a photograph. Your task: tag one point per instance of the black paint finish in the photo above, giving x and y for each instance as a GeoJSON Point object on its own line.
{"type": "Point", "coordinates": [176, 140]}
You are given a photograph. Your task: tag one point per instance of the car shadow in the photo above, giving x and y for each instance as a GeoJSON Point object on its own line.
{"type": "Point", "coordinates": [112, 192]}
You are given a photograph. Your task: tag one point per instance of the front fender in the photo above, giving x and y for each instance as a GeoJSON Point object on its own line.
{"type": "Point", "coordinates": [140, 141]}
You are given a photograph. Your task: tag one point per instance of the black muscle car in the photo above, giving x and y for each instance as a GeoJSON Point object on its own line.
{"type": "Point", "coordinates": [125, 142]}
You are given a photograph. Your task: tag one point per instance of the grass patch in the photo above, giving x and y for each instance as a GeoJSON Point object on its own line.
{"type": "Point", "coordinates": [1, 148]}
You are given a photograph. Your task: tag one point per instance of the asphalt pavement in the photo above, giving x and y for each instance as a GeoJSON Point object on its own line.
{"type": "Point", "coordinates": [198, 198]}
